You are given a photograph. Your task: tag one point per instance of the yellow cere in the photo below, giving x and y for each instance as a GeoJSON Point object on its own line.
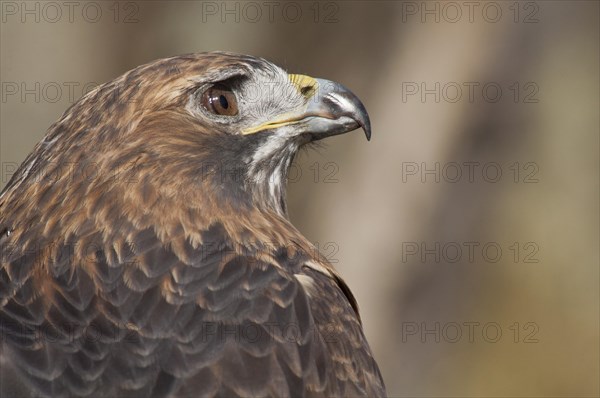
{"type": "Point", "coordinates": [306, 85]}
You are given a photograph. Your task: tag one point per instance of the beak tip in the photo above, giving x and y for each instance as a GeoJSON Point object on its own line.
{"type": "Point", "coordinates": [367, 130]}
{"type": "Point", "coordinates": [334, 101]}
{"type": "Point", "coordinates": [365, 124]}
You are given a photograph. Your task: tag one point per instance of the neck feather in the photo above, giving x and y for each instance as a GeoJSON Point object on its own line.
{"type": "Point", "coordinates": [268, 171]}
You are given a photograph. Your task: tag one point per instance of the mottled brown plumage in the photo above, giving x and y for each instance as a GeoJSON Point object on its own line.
{"type": "Point", "coordinates": [145, 246]}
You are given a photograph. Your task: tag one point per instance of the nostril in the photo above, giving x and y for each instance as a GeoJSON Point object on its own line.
{"type": "Point", "coordinates": [307, 90]}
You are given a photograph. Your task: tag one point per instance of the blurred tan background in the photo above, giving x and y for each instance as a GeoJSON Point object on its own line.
{"type": "Point", "coordinates": [471, 282]}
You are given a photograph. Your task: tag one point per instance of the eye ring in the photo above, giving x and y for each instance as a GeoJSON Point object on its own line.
{"type": "Point", "coordinates": [220, 100]}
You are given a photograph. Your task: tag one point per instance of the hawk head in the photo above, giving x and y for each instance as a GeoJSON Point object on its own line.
{"type": "Point", "coordinates": [261, 116]}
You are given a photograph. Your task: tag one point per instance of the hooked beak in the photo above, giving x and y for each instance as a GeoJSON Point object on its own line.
{"type": "Point", "coordinates": [331, 109]}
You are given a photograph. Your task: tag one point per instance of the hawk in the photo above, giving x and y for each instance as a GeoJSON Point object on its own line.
{"type": "Point", "coordinates": [146, 248]}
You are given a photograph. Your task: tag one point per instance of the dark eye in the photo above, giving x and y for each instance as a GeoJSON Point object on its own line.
{"type": "Point", "coordinates": [220, 100]}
